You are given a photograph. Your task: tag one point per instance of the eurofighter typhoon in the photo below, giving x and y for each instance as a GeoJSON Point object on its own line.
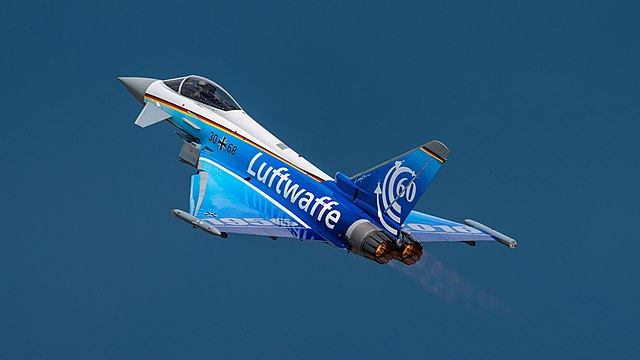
{"type": "Point", "coordinates": [250, 182]}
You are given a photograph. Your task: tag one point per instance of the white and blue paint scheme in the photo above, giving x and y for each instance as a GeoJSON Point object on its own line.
{"type": "Point", "coordinates": [250, 182]}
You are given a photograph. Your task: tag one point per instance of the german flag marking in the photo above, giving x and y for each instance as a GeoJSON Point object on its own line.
{"type": "Point", "coordinates": [433, 154]}
{"type": "Point", "coordinates": [229, 132]}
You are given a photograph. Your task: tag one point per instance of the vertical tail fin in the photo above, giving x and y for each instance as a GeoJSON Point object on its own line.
{"type": "Point", "coordinates": [394, 187]}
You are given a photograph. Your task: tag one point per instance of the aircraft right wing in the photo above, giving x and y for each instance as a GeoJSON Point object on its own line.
{"type": "Point", "coordinates": [222, 203]}
{"type": "Point", "coordinates": [429, 228]}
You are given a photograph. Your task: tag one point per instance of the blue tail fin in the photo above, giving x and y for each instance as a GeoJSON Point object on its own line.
{"type": "Point", "coordinates": [394, 187]}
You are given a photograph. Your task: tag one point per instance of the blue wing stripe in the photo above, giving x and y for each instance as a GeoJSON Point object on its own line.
{"type": "Point", "coordinates": [428, 228]}
{"type": "Point", "coordinates": [269, 198]}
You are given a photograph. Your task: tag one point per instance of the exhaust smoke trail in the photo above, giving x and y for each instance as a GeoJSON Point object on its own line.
{"type": "Point", "coordinates": [444, 282]}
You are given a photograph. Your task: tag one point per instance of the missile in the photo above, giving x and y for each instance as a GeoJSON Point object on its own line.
{"type": "Point", "coordinates": [197, 223]}
{"type": "Point", "coordinates": [500, 237]}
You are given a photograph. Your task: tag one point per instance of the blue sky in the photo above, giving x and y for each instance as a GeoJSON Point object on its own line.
{"type": "Point", "coordinates": [538, 103]}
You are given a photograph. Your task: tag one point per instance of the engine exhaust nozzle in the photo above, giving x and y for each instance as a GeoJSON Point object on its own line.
{"type": "Point", "coordinates": [371, 242]}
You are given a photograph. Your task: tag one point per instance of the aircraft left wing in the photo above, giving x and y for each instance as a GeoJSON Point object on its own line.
{"type": "Point", "coordinates": [429, 228]}
{"type": "Point", "coordinates": [222, 202]}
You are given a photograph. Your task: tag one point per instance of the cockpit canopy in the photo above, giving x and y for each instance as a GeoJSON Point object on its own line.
{"type": "Point", "coordinates": [203, 91]}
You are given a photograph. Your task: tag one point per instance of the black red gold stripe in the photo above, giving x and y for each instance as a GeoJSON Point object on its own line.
{"type": "Point", "coordinates": [433, 154]}
{"type": "Point", "coordinates": [230, 132]}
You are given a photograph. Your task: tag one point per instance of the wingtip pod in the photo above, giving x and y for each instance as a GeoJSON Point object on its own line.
{"type": "Point", "coordinates": [197, 223]}
{"type": "Point", "coordinates": [500, 237]}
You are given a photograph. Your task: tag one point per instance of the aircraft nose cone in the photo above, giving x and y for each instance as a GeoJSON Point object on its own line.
{"type": "Point", "coordinates": [137, 86]}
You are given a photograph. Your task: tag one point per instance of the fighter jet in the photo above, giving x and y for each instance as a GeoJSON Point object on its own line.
{"type": "Point", "coordinates": [248, 181]}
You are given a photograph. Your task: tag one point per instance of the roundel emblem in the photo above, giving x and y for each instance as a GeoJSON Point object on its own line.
{"type": "Point", "coordinates": [397, 184]}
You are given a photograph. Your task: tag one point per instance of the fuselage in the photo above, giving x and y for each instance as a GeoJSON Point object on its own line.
{"type": "Point", "coordinates": [237, 142]}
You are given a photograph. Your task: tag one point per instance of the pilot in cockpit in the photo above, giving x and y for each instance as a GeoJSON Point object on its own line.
{"type": "Point", "coordinates": [203, 90]}
{"type": "Point", "coordinates": [206, 93]}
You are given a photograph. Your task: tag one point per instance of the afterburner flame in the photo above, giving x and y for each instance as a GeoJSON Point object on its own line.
{"type": "Point", "coordinates": [384, 252]}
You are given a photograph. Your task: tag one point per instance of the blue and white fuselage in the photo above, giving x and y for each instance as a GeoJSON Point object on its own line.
{"type": "Point", "coordinates": [250, 182]}
{"type": "Point", "coordinates": [297, 188]}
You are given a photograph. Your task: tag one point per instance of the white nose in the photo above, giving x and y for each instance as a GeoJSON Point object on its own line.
{"type": "Point", "coordinates": [137, 86]}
